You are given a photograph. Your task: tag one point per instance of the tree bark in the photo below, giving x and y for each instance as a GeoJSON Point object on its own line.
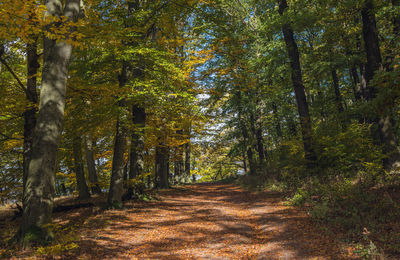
{"type": "Point", "coordinates": [79, 169]}
{"type": "Point", "coordinates": [245, 135]}
{"type": "Point", "coordinates": [250, 157]}
{"type": "Point", "coordinates": [161, 167]}
{"type": "Point", "coordinates": [383, 120]}
{"type": "Point", "coordinates": [136, 158]}
{"type": "Point", "coordinates": [278, 127]}
{"type": "Point", "coordinates": [116, 190]}
{"type": "Point", "coordinates": [365, 92]}
{"type": "Point", "coordinates": [244, 162]}
{"type": "Point", "coordinates": [40, 182]}
{"type": "Point", "coordinates": [178, 167]}
{"type": "Point", "coordinates": [30, 111]}
{"type": "Point", "coordinates": [179, 163]}
{"type": "Point", "coordinates": [356, 83]}
{"type": "Point", "coordinates": [396, 19]}
{"type": "Point", "coordinates": [137, 146]}
{"type": "Point", "coordinates": [168, 166]}
{"type": "Point", "coordinates": [338, 96]}
{"type": "Point", "coordinates": [257, 132]}
{"type": "Point", "coordinates": [117, 170]}
{"type": "Point", "coordinates": [187, 160]}
{"type": "Point", "coordinates": [260, 146]}
{"type": "Point", "coordinates": [393, 50]}
{"type": "Point", "coordinates": [91, 166]}
{"type": "Point", "coordinates": [371, 42]}
{"type": "Point", "coordinates": [299, 90]}
{"type": "Point", "coordinates": [117, 175]}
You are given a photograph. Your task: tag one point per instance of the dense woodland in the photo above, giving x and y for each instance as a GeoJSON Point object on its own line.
{"type": "Point", "coordinates": [116, 98]}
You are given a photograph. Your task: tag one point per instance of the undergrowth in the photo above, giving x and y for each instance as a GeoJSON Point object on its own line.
{"type": "Point", "coordinates": [66, 238]}
{"type": "Point", "coordinates": [347, 194]}
{"type": "Point", "coordinates": [363, 216]}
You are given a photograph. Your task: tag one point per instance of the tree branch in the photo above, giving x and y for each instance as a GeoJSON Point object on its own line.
{"type": "Point", "coordinates": [156, 11]}
{"type": "Point", "coordinates": [13, 74]}
{"type": "Point", "coordinates": [6, 137]}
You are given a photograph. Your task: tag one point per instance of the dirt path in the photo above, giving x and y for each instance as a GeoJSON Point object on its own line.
{"type": "Point", "coordinates": [208, 221]}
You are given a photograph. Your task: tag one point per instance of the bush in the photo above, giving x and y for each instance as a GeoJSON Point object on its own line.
{"type": "Point", "coordinates": [345, 154]}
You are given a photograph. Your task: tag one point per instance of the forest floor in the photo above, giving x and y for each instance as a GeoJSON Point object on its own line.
{"type": "Point", "coordinates": [202, 221]}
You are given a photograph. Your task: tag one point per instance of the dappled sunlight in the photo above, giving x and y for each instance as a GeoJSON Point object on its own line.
{"type": "Point", "coordinates": [202, 222]}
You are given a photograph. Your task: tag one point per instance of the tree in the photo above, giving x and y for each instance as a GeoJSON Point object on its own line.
{"type": "Point", "coordinates": [374, 62]}
{"type": "Point", "coordinates": [91, 166]}
{"type": "Point", "coordinates": [161, 166]}
{"type": "Point", "coordinates": [79, 168]}
{"type": "Point", "coordinates": [297, 80]}
{"type": "Point", "coordinates": [117, 174]}
{"type": "Point", "coordinates": [32, 97]}
{"type": "Point", "coordinates": [40, 184]}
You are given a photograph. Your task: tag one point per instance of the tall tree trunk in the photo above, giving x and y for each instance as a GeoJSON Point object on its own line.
{"type": "Point", "coordinates": [374, 63]}
{"type": "Point", "coordinates": [116, 190]}
{"type": "Point", "coordinates": [371, 42]}
{"type": "Point", "coordinates": [321, 102]}
{"type": "Point", "coordinates": [297, 79]}
{"type": "Point", "coordinates": [187, 160]}
{"type": "Point", "coordinates": [396, 19]}
{"type": "Point", "coordinates": [249, 151]}
{"type": "Point", "coordinates": [257, 132]}
{"type": "Point", "coordinates": [393, 50]}
{"type": "Point", "coordinates": [357, 91]}
{"type": "Point", "coordinates": [278, 127]}
{"type": "Point", "coordinates": [149, 181]}
{"type": "Point", "coordinates": [117, 173]}
{"type": "Point", "coordinates": [179, 164]}
{"type": "Point", "coordinates": [252, 164]}
{"type": "Point", "coordinates": [79, 169]}
{"type": "Point", "coordinates": [245, 134]}
{"type": "Point", "coordinates": [356, 83]}
{"type": "Point", "coordinates": [178, 170]}
{"type": "Point", "coordinates": [30, 112]}
{"type": "Point", "coordinates": [118, 164]}
{"type": "Point", "coordinates": [338, 96]}
{"type": "Point", "coordinates": [91, 166]}
{"type": "Point", "coordinates": [161, 167]}
{"type": "Point", "coordinates": [126, 171]}
{"type": "Point", "coordinates": [136, 164]}
{"type": "Point", "coordinates": [137, 146]}
{"type": "Point", "coordinates": [365, 92]}
{"type": "Point", "coordinates": [168, 166]}
{"type": "Point", "coordinates": [136, 156]}
{"type": "Point", "coordinates": [40, 182]}
{"type": "Point", "coordinates": [244, 162]}
{"type": "Point", "coordinates": [260, 146]}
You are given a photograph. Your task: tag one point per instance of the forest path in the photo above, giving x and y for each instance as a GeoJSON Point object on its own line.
{"type": "Point", "coordinates": [206, 221]}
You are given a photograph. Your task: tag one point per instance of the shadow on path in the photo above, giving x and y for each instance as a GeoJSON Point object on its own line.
{"type": "Point", "coordinates": [208, 221]}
